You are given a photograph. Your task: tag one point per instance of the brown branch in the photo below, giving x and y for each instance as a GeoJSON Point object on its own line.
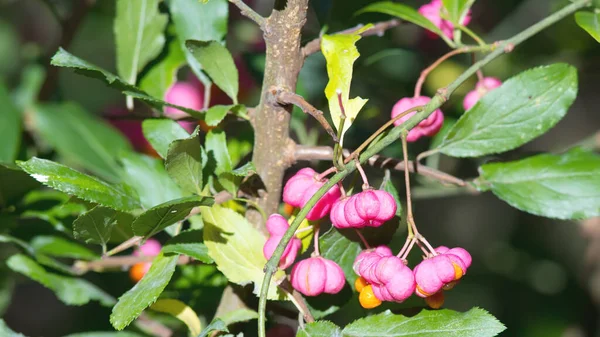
{"type": "Point", "coordinates": [377, 29]}
{"type": "Point", "coordinates": [285, 97]}
{"type": "Point", "coordinates": [326, 153]}
{"type": "Point", "coordinates": [249, 13]}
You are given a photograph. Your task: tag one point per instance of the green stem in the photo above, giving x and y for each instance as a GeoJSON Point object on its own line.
{"type": "Point", "coordinates": [394, 134]}
{"type": "Point", "coordinates": [472, 34]}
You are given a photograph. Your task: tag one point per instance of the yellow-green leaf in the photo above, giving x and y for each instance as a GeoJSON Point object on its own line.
{"type": "Point", "coordinates": [236, 246]}
{"type": "Point", "coordinates": [181, 311]}
{"type": "Point", "coordinates": [340, 53]}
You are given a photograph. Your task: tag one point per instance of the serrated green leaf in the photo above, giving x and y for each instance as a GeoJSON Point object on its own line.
{"type": "Point", "coordinates": [5, 331]}
{"type": "Point", "coordinates": [61, 247]}
{"type": "Point", "coordinates": [162, 216]}
{"type": "Point", "coordinates": [218, 63]}
{"type": "Point", "coordinates": [340, 53]}
{"type": "Point", "coordinates": [105, 334]}
{"type": "Point", "coordinates": [81, 138]}
{"type": "Point", "coordinates": [319, 329]}
{"type": "Point", "coordinates": [97, 225]}
{"type": "Point", "coordinates": [216, 325]}
{"type": "Point", "coordinates": [71, 291]}
{"type": "Point", "coordinates": [188, 243]}
{"type": "Point", "coordinates": [199, 21]}
{"type": "Point", "coordinates": [404, 12]}
{"type": "Point", "coordinates": [524, 107]}
{"type": "Point", "coordinates": [145, 292]}
{"type": "Point", "coordinates": [245, 170]}
{"type": "Point", "coordinates": [236, 247]}
{"type": "Point", "coordinates": [139, 37]}
{"type": "Point", "coordinates": [148, 177]}
{"type": "Point", "coordinates": [184, 163]}
{"type": "Point", "coordinates": [164, 74]}
{"type": "Point", "coordinates": [590, 22]}
{"type": "Point", "coordinates": [439, 323]}
{"type": "Point", "coordinates": [180, 311]}
{"type": "Point", "coordinates": [63, 58]}
{"type": "Point", "coordinates": [456, 9]}
{"type": "Point", "coordinates": [238, 315]}
{"type": "Point", "coordinates": [216, 113]}
{"type": "Point", "coordinates": [160, 133]}
{"type": "Point", "coordinates": [338, 248]}
{"type": "Point", "coordinates": [81, 185]}
{"type": "Point", "coordinates": [565, 186]}
{"type": "Point", "coordinates": [10, 127]}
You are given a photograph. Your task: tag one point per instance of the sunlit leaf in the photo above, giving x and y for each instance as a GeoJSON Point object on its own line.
{"type": "Point", "coordinates": [319, 329]}
{"type": "Point", "coordinates": [181, 311]}
{"type": "Point", "coordinates": [565, 186]}
{"type": "Point", "coordinates": [456, 9]}
{"type": "Point", "coordinates": [236, 247]}
{"type": "Point", "coordinates": [340, 53]}
{"type": "Point", "coordinates": [218, 63]}
{"type": "Point", "coordinates": [184, 163]}
{"type": "Point", "coordinates": [403, 12]}
{"type": "Point", "coordinates": [524, 107]}
{"type": "Point", "coordinates": [81, 185]}
{"type": "Point", "coordinates": [590, 22]}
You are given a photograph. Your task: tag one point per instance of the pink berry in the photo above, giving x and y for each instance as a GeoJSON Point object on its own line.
{"type": "Point", "coordinates": [150, 248]}
{"type": "Point", "coordinates": [434, 273]}
{"type": "Point", "coordinates": [317, 275]}
{"type": "Point", "coordinates": [302, 186]}
{"type": "Point", "coordinates": [186, 95]}
{"type": "Point", "coordinates": [427, 127]}
{"type": "Point", "coordinates": [276, 226]}
{"type": "Point", "coordinates": [433, 10]}
{"type": "Point", "coordinates": [483, 87]}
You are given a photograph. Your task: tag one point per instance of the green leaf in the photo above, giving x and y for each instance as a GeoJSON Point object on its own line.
{"type": "Point", "coordinates": [338, 248]}
{"type": "Point", "coordinates": [456, 9]}
{"type": "Point", "coordinates": [60, 247]}
{"type": "Point", "coordinates": [565, 186]}
{"type": "Point", "coordinates": [216, 113]}
{"type": "Point", "coordinates": [81, 185]}
{"type": "Point", "coordinates": [180, 311]}
{"type": "Point", "coordinates": [188, 243]}
{"type": "Point", "coordinates": [105, 334]}
{"type": "Point", "coordinates": [14, 184]}
{"type": "Point", "coordinates": [236, 246]}
{"type": "Point", "coordinates": [473, 323]}
{"type": "Point", "coordinates": [145, 292]}
{"type": "Point", "coordinates": [7, 332]}
{"type": "Point", "coordinates": [405, 13]}
{"type": "Point", "coordinates": [97, 225]}
{"type": "Point", "coordinates": [81, 138]}
{"type": "Point", "coordinates": [389, 187]}
{"type": "Point", "coordinates": [507, 117]}
{"type": "Point", "coordinates": [139, 37]}
{"type": "Point", "coordinates": [10, 127]}
{"type": "Point", "coordinates": [216, 143]}
{"type": "Point", "coordinates": [162, 216]}
{"type": "Point", "coordinates": [184, 163]}
{"type": "Point", "coordinates": [197, 21]}
{"type": "Point", "coordinates": [319, 329]}
{"type": "Point", "coordinates": [162, 132]}
{"type": "Point", "coordinates": [149, 178]}
{"type": "Point", "coordinates": [216, 325]}
{"type": "Point", "coordinates": [160, 104]}
{"type": "Point", "coordinates": [71, 291]}
{"type": "Point", "coordinates": [590, 22]}
{"type": "Point", "coordinates": [239, 315]}
{"type": "Point", "coordinates": [245, 170]}
{"type": "Point", "coordinates": [218, 63]}
{"type": "Point", "coordinates": [163, 75]}
{"type": "Point", "coordinates": [63, 58]}
{"type": "Point", "coordinates": [340, 53]}
{"type": "Point", "coordinates": [32, 79]}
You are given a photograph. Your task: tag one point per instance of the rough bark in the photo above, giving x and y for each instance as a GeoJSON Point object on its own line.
{"type": "Point", "coordinates": [284, 60]}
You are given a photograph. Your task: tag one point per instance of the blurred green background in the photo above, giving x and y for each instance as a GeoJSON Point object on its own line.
{"type": "Point", "coordinates": [540, 277]}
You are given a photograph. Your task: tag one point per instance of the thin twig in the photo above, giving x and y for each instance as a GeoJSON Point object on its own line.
{"type": "Point", "coordinates": [82, 267]}
{"type": "Point", "coordinates": [377, 29]}
{"type": "Point", "coordinates": [285, 97]}
{"type": "Point", "coordinates": [309, 153]}
{"type": "Point", "coordinates": [297, 300]}
{"type": "Point", "coordinates": [249, 13]}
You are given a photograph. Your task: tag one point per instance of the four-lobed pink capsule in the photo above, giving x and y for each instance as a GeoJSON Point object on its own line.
{"type": "Point", "coordinates": [441, 271]}
{"type": "Point", "coordinates": [302, 186]}
{"type": "Point", "coordinates": [276, 226]}
{"type": "Point", "coordinates": [369, 208]}
{"type": "Point", "coordinates": [317, 275]}
{"type": "Point", "coordinates": [427, 127]}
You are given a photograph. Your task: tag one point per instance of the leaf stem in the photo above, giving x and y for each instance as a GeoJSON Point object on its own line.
{"type": "Point", "coordinates": [435, 103]}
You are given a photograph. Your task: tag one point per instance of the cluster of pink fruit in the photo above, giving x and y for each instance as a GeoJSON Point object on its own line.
{"type": "Point", "coordinates": [386, 277]}
{"type": "Point", "coordinates": [383, 276]}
